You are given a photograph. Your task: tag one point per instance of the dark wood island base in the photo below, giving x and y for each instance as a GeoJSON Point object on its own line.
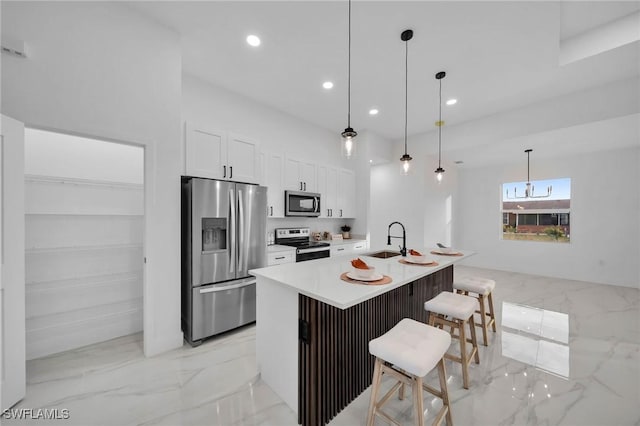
{"type": "Point", "coordinates": [334, 363]}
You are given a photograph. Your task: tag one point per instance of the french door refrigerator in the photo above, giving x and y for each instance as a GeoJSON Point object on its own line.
{"type": "Point", "coordinates": [223, 236]}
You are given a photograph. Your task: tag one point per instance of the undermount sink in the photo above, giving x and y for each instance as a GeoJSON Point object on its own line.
{"type": "Point", "coordinates": [384, 254]}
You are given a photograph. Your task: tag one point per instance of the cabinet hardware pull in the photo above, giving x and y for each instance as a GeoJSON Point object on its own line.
{"type": "Point", "coordinates": [224, 172]}
{"type": "Point", "coordinates": [340, 212]}
{"type": "Point", "coordinates": [340, 249]}
{"type": "Point", "coordinates": [271, 210]}
{"type": "Point", "coordinates": [300, 185]}
{"type": "Point", "coordinates": [305, 186]}
{"type": "Point", "coordinates": [230, 172]}
{"type": "Point", "coordinates": [279, 257]}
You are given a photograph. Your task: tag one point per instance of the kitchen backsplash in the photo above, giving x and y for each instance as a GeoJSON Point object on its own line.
{"type": "Point", "coordinates": [313, 223]}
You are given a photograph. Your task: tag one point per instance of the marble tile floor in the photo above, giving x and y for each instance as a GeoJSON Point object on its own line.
{"type": "Point", "coordinates": [577, 363]}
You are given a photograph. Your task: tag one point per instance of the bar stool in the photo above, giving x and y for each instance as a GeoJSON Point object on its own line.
{"type": "Point", "coordinates": [411, 349]}
{"type": "Point", "coordinates": [483, 287]}
{"type": "Point", "coordinates": [456, 310]}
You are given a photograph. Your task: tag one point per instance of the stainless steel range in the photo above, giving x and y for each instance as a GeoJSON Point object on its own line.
{"type": "Point", "coordinates": [299, 238]}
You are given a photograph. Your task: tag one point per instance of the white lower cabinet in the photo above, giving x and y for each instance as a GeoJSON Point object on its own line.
{"type": "Point", "coordinates": [340, 250]}
{"type": "Point", "coordinates": [280, 257]}
{"type": "Point", "coordinates": [359, 246]}
{"type": "Point", "coordinates": [348, 248]}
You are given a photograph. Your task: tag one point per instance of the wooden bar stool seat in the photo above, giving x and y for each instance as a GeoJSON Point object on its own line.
{"type": "Point", "coordinates": [408, 352]}
{"type": "Point", "coordinates": [455, 310]}
{"type": "Point", "coordinates": [483, 290]}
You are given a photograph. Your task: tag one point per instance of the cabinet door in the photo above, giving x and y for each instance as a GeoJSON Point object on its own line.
{"type": "Point", "coordinates": [346, 193]}
{"type": "Point", "coordinates": [339, 250]}
{"type": "Point", "coordinates": [292, 179]}
{"type": "Point", "coordinates": [322, 190]}
{"type": "Point", "coordinates": [243, 159]}
{"type": "Point", "coordinates": [308, 176]}
{"type": "Point", "coordinates": [331, 200]}
{"type": "Point", "coordinates": [275, 193]}
{"type": "Point", "coordinates": [205, 152]}
{"type": "Point", "coordinates": [281, 257]}
{"type": "Point", "coordinates": [358, 247]}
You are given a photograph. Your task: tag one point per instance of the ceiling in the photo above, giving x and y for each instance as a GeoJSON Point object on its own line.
{"type": "Point", "coordinates": [497, 55]}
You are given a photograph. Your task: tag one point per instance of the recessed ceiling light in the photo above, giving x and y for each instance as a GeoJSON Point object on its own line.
{"type": "Point", "coordinates": [253, 40]}
{"type": "Point", "coordinates": [452, 102]}
{"type": "Point", "coordinates": [373, 111]}
{"type": "Point", "coordinates": [370, 161]}
{"type": "Point", "coordinates": [327, 85]}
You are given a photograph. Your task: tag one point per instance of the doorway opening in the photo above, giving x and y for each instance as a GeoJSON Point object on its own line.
{"type": "Point", "coordinates": [84, 234]}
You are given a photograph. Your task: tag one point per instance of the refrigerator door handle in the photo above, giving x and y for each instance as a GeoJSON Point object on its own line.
{"type": "Point", "coordinates": [227, 287]}
{"type": "Point", "coordinates": [232, 231]}
{"type": "Point", "coordinates": [241, 242]}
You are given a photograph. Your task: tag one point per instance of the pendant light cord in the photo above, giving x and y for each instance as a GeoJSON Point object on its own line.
{"type": "Point", "coordinates": [406, 92]}
{"type": "Point", "coordinates": [440, 129]}
{"type": "Point", "coordinates": [349, 73]}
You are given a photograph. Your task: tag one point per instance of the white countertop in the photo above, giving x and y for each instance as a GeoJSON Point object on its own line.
{"type": "Point", "coordinates": [320, 279]}
{"type": "Point", "coordinates": [275, 248]}
{"type": "Point", "coordinates": [340, 242]}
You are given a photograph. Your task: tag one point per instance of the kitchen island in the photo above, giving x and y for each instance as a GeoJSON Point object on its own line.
{"type": "Point", "coordinates": [313, 329]}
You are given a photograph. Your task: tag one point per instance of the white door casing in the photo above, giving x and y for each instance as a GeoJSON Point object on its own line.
{"type": "Point", "coordinates": [12, 281]}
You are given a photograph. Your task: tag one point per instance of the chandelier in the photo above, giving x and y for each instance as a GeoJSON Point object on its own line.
{"type": "Point", "coordinates": [528, 191]}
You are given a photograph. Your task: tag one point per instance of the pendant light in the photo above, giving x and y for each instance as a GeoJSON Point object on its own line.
{"type": "Point", "coordinates": [440, 123]}
{"type": "Point", "coordinates": [406, 36]}
{"type": "Point", "coordinates": [528, 190]}
{"type": "Point", "coordinates": [348, 147]}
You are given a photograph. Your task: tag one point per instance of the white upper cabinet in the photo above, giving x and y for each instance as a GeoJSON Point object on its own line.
{"type": "Point", "coordinates": [346, 194]}
{"type": "Point", "coordinates": [274, 177]}
{"type": "Point", "coordinates": [300, 175]}
{"type": "Point", "coordinates": [322, 190]}
{"type": "Point", "coordinates": [216, 154]}
{"type": "Point", "coordinates": [243, 159]}
{"type": "Point", "coordinates": [206, 152]}
{"type": "Point", "coordinates": [332, 192]}
{"type": "Point", "coordinates": [327, 186]}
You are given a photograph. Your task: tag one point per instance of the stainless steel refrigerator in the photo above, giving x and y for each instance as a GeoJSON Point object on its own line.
{"type": "Point", "coordinates": [223, 236]}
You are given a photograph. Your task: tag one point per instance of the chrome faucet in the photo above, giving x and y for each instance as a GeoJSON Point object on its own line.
{"type": "Point", "coordinates": [403, 249]}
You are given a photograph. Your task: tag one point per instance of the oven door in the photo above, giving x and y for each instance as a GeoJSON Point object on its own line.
{"type": "Point", "coordinates": [312, 253]}
{"type": "Point", "coordinates": [298, 203]}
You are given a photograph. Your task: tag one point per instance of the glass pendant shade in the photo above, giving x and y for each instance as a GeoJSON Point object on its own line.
{"type": "Point", "coordinates": [406, 163]}
{"type": "Point", "coordinates": [348, 144]}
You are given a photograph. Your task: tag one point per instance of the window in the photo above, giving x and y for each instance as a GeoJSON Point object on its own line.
{"type": "Point", "coordinates": [527, 219]}
{"type": "Point", "coordinates": [537, 215]}
{"type": "Point", "coordinates": [548, 219]}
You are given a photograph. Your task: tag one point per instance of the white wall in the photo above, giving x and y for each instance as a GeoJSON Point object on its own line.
{"type": "Point", "coordinates": [605, 230]}
{"type": "Point", "coordinates": [99, 69]}
{"type": "Point", "coordinates": [415, 200]}
{"type": "Point", "coordinates": [59, 154]}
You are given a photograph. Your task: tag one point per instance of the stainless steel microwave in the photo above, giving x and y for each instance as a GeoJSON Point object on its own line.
{"type": "Point", "coordinates": [300, 203]}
